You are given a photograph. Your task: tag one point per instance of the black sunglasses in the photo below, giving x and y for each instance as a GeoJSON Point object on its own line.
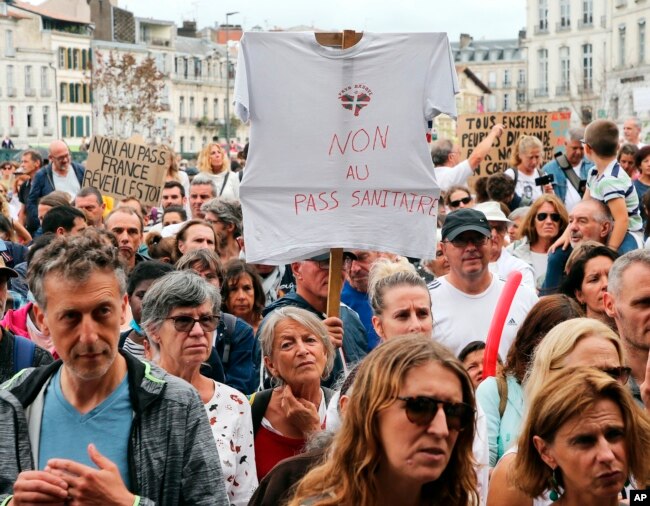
{"type": "Point", "coordinates": [554, 216]}
{"type": "Point", "coordinates": [456, 203]}
{"type": "Point", "coordinates": [620, 374]}
{"type": "Point", "coordinates": [184, 323]}
{"type": "Point", "coordinates": [421, 410]}
{"type": "Point", "coordinates": [462, 243]}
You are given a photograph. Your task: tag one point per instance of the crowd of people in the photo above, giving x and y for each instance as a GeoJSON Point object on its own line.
{"type": "Point", "coordinates": [144, 361]}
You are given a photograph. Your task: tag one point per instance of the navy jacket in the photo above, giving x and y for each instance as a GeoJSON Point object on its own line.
{"type": "Point", "coordinates": [43, 184]}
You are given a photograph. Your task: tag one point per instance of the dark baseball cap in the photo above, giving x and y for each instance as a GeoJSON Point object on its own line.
{"type": "Point", "coordinates": [465, 220]}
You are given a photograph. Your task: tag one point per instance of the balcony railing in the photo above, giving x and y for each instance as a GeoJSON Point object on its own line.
{"type": "Point", "coordinates": [541, 92]}
{"type": "Point", "coordinates": [562, 90]}
{"type": "Point", "coordinates": [563, 26]}
{"type": "Point", "coordinates": [582, 24]}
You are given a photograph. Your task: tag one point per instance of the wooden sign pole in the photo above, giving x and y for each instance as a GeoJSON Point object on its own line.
{"type": "Point", "coordinates": [343, 40]}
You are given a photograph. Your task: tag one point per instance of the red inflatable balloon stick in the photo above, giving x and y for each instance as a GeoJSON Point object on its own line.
{"type": "Point", "coordinates": [498, 321]}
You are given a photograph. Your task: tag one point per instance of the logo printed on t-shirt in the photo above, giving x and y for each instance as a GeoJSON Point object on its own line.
{"type": "Point", "coordinates": [355, 97]}
{"type": "Point", "coordinates": [512, 321]}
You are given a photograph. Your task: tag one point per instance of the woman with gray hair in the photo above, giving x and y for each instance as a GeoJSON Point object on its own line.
{"type": "Point", "coordinates": [298, 354]}
{"type": "Point", "coordinates": [180, 313]}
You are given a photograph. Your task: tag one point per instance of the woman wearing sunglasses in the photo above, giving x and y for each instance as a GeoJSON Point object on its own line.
{"type": "Point", "coordinates": [179, 315]}
{"type": "Point", "coordinates": [459, 197]}
{"type": "Point", "coordinates": [406, 436]}
{"type": "Point", "coordinates": [582, 441]}
{"type": "Point", "coordinates": [580, 342]}
{"type": "Point", "coordinates": [546, 220]}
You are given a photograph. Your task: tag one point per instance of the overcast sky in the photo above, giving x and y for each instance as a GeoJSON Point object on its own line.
{"type": "Point", "coordinates": [482, 19]}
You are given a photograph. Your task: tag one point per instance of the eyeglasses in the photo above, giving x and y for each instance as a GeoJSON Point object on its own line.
{"type": "Point", "coordinates": [501, 228]}
{"type": "Point", "coordinates": [61, 158]}
{"type": "Point", "coordinates": [620, 374]}
{"type": "Point", "coordinates": [421, 410]}
{"type": "Point", "coordinates": [462, 243]}
{"type": "Point", "coordinates": [184, 323]}
{"type": "Point", "coordinates": [456, 203]}
{"type": "Point", "coordinates": [554, 216]}
{"type": "Point", "coordinates": [8, 167]}
{"type": "Point", "coordinates": [324, 265]}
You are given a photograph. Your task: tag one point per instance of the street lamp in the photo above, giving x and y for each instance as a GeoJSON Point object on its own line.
{"type": "Point", "coordinates": [228, 14]}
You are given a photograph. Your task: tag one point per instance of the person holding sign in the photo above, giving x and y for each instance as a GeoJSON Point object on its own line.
{"type": "Point", "coordinates": [525, 170]}
{"type": "Point", "coordinates": [214, 161]}
{"type": "Point", "coordinates": [449, 171]}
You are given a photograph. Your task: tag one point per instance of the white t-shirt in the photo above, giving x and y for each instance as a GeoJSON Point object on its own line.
{"type": "Point", "coordinates": [357, 120]}
{"type": "Point", "coordinates": [452, 176]}
{"type": "Point", "coordinates": [508, 263]}
{"type": "Point", "coordinates": [230, 188]}
{"type": "Point", "coordinates": [572, 196]}
{"type": "Point", "coordinates": [459, 318]}
{"type": "Point", "coordinates": [68, 183]}
{"type": "Point", "coordinates": [540, 263]}
{"type": "Point", "coordinates": [526, 187]}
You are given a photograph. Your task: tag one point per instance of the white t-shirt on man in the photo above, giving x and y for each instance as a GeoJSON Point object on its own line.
{"type": "Point", "coordinates": [68, 183]}
{"type": "Point", "coordinates": [460, 318]}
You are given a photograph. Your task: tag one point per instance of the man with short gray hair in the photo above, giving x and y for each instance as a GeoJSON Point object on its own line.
{"type": "Point", "coordinates": [627, 300]}
{"type": "Point", "coordinates": [226, 218]}
{"type": "Point", "coordinates": [99, 426]}
{"type": "Point", "coordinates": [632, 132]}
{"type": "Point", "coordinates": [570, 170]}
{"type": "Point", "coordinates": [202, 189]}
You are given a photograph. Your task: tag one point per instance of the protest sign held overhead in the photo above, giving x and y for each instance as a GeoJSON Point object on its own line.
{"type": "Point", "coordinates": [548, 127]}
{"type": "Point", "coordinates": [359, 174]}
{"type": "Point", "coordinates": [123, 169]}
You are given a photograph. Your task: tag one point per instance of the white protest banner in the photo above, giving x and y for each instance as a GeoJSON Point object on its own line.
{"type": "Point", "coordinates": [123, 169]}
{"type": "Point", "coordinates": [549, 127]}
{"type": "Point", "coordinates": [338, 154]}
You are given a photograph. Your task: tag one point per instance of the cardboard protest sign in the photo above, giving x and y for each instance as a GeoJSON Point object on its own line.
{"type": "Point", "coordinates": [550, 127]}
{"type": "Point", "coordinates": [123, 169]}
{"type": "Point", "coordinates": [359, 173]}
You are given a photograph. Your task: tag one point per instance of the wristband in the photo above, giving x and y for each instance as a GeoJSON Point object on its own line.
{"type": "Point", "coordinates": [136, 501]}
{"type": "Point", "coordinates": [7, 501]}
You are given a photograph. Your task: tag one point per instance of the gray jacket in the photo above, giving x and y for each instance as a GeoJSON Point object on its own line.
{"type": "Point", "coordinates": [172, 456]}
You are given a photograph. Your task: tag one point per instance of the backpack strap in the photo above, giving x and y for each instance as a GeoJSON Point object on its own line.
{"type": "Point", "coordinates": [24, 351]}
{"type": "Point", "coordinates": [259, 401]}
{"type": "Point", "coordinates": [229, 322]}
{"type": "Point", "coordinates": [502, 388]}
{"type": "Point", "coordinates": [225, 180]}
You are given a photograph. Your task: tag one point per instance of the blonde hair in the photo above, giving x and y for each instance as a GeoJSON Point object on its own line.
{"type": "Point", "coordinates": [349, 472]}
{"type": "Point", "coordinates": [172, 168]}
{"type": "Point", "coordinates": [551, 353]}
{"type": "Point", "coordinates": [386, 274]}
{"type": "Point", "coordinates": [203, 162]}
{"type": "Point", "coordinates": [565, 396]}
{"type": "Point", "coordinates": [523, 144]}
